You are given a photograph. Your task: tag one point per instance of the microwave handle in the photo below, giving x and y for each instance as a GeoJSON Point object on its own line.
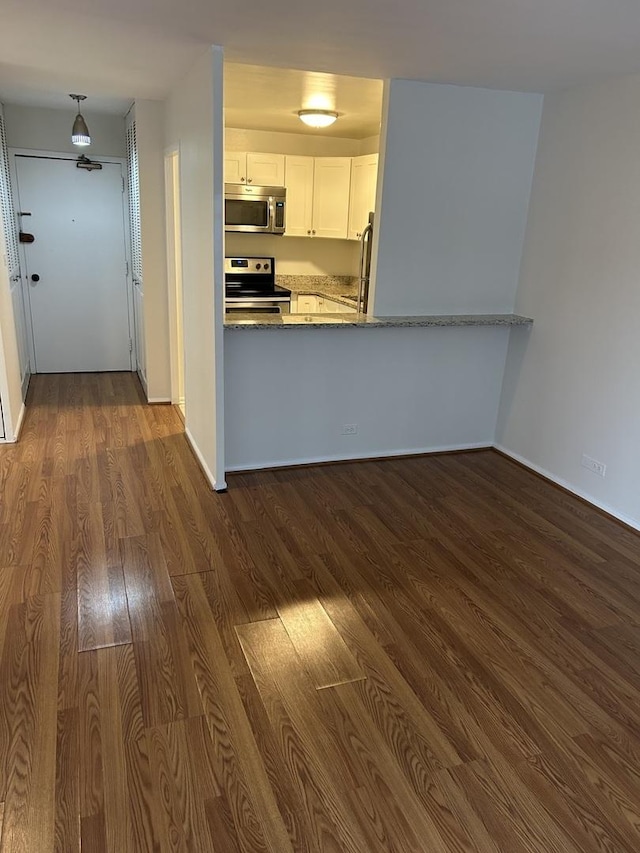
{"type": "Point", "coordinates": [274, 224]}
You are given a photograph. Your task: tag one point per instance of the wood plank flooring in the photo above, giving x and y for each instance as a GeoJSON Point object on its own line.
{"type": "Point", "coordinates": [439, 655]}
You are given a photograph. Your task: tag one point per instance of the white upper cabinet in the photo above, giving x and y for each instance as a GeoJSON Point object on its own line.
{"type": "Point", "coordinates": [331, 181]}
{"type": "Point", "coordinates": [317, 196]}
{"type": "Point", "coordinates": [326, 196]}
{"type": "Point", "coordinates": [364, 174]}
{"type": "Point", "coordinates": [299, 184]}
{"type": "Point", "coordinates": [235, 167]}
{"type": "Point", "coordinates": [251, 167]}
{"type": "Point", "coordinates": [266, 170]}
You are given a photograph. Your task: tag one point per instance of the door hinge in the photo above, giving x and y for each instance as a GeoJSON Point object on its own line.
{"type": "Point", "coordinates": [130, 345]}
{"type": "Point", "coordinates": [126, 266]}
{"type": "Point", "coordinates": [123, 184]}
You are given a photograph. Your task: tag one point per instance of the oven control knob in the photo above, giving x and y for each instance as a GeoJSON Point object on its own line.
{"type": "Point", "coordinates": [266, 266]}
{"type": "Point", "coordinates": [258, 266]}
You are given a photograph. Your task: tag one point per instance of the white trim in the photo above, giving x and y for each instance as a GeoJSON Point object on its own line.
{"type": "Point", "coordinates": [173, 226]}
{"type": "Point", "coordinates": [350, 457]}
{"type": "Point", "coordinates": [217, 71]}
{"type": "Point", "coordinates": [626, 519]}
{"type": "Point", "coordinates": [63, 155]}
{"type": "Point", "coordinates": [217, 487]}
{"type": "Point", "coordinates": [16, 434]}
{"type": "Point", "coordinates": [159, 400]}
{"type": "Point", "coordinates": [19, 422]}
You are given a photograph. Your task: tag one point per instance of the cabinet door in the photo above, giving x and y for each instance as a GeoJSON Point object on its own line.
{"type": "Point", "coordinates": [235, 167]}
{"type": "Point", "coordinates": [299, 184]}
{"type": "Point", "coordinates": [364, 174]}
{"type": "Point", "coordinates": [331, 180]}
{"type": "Point", "coordinates": [332, 307]}
{"type": "Point", "coordinates": [307, 304]}
{"type": "Point", "coordinates": [265, 170]}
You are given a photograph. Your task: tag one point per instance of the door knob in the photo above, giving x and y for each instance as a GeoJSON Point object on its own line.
{"type": "Point", "coordinates": [35, 277]}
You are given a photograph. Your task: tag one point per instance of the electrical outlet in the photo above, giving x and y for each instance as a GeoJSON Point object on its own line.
{"type": "Point", "coordinates": [598, 468]}
{"type": "Point", "coordinates": [350, 429]}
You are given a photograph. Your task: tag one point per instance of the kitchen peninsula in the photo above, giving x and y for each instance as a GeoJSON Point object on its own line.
{"type": "Point", "coordinates": [451, 202]}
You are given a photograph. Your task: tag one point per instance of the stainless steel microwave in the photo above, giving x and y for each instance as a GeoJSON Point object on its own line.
{"type": "Point", "coordinates": [257, 210]}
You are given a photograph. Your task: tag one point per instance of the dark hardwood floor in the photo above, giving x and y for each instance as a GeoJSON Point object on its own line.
{"type": "Point", "coordinates": [434, 654]}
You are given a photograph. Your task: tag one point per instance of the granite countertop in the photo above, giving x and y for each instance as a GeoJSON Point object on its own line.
{"type": "Point", "coordinates": [336, 321]}
{"type": "Point", "coordinates": [340, 288]}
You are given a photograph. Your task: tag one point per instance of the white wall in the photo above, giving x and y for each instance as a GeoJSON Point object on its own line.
{"type": "Point", "coordinates": [149, 117]}
{"type": "Point", "coordinates": [273, 142]}
{"type": "Point", "coordinates": [457, 165]}
{"type": "Point", "coordinates": [194, 123]}
{"type": "Point", "coordinates": [42, 129]}
{"type": "Point", "coordinates": [574, 387]}
{"type": "Point", "coordinates": [298, 255]}
{"type": "Point", "coordinates": [288, 393]}
{"type": "Point", "coordinates": [370, 145]}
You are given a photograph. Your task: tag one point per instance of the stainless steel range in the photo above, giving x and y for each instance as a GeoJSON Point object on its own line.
{"type": "Point", "coordinates": [250, 287]}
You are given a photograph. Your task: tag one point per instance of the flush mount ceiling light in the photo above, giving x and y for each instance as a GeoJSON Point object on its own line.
{"type": "Point", "coordinates": [80, 133]}
{"type": "Point", "coordinates": [317, 118]}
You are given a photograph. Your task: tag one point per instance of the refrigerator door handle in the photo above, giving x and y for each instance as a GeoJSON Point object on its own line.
{"type": "Point", "coordinates": [363, 275]}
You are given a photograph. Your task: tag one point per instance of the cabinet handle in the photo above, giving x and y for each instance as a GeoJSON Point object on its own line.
{"type": "Point", "coordinates": [309, 232]}
{"type": "Point", "coordinates": [242, 180]}
{"type": "Point", "coordinates": [313, 232]}
{"type": "Point", "coordinates": [249, 180]}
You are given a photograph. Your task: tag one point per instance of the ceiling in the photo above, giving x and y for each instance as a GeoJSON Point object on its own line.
{"type": "Point", "coordinates": [117, 50]}
{"type": "Point", "coordinates": [266, 98]}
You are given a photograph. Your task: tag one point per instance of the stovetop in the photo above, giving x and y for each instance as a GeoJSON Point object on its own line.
{"type": "Point", "coordinates": [266, 289]}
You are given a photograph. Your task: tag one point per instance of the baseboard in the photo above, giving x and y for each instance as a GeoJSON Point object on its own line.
{"type": "Point", "coordinates": [217, 487]}
{"type": "Point", "coordinates": [155, 401]}
{"type": "Point", "coordinates": [627, 520]}
{"type": "Point", "coordinates": [25, 385]}
{"type": "Point", "coordinates": [361, 457]}
{"type": "Point", "coordinates": [16, 434]}
{"type": "Point", "coordinates": [143, 380]}
{"type": "Point", "coordinates": [19, 422]}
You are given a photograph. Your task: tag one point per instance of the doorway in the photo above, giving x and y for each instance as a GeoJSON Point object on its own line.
{"type": "Point", "coordinates": [174, 271]}
{"type": "Point", "coordinates": [76, 264]}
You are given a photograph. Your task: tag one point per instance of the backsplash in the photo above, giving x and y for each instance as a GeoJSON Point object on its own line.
{"type": "Point", "coordinates": [298, 255]}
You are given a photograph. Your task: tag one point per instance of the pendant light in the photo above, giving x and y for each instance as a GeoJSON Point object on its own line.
{"type": "Point", "coordinates": [317, 118]}
{"type": "Point", "coordinates": [80, 134]}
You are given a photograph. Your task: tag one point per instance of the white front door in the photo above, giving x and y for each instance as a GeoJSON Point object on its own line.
{"type": "Point", "coordinates": [76, 266]}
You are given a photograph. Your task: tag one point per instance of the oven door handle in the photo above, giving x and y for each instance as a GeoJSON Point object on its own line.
{"type": "Point", "coordinates": [257, 300]}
